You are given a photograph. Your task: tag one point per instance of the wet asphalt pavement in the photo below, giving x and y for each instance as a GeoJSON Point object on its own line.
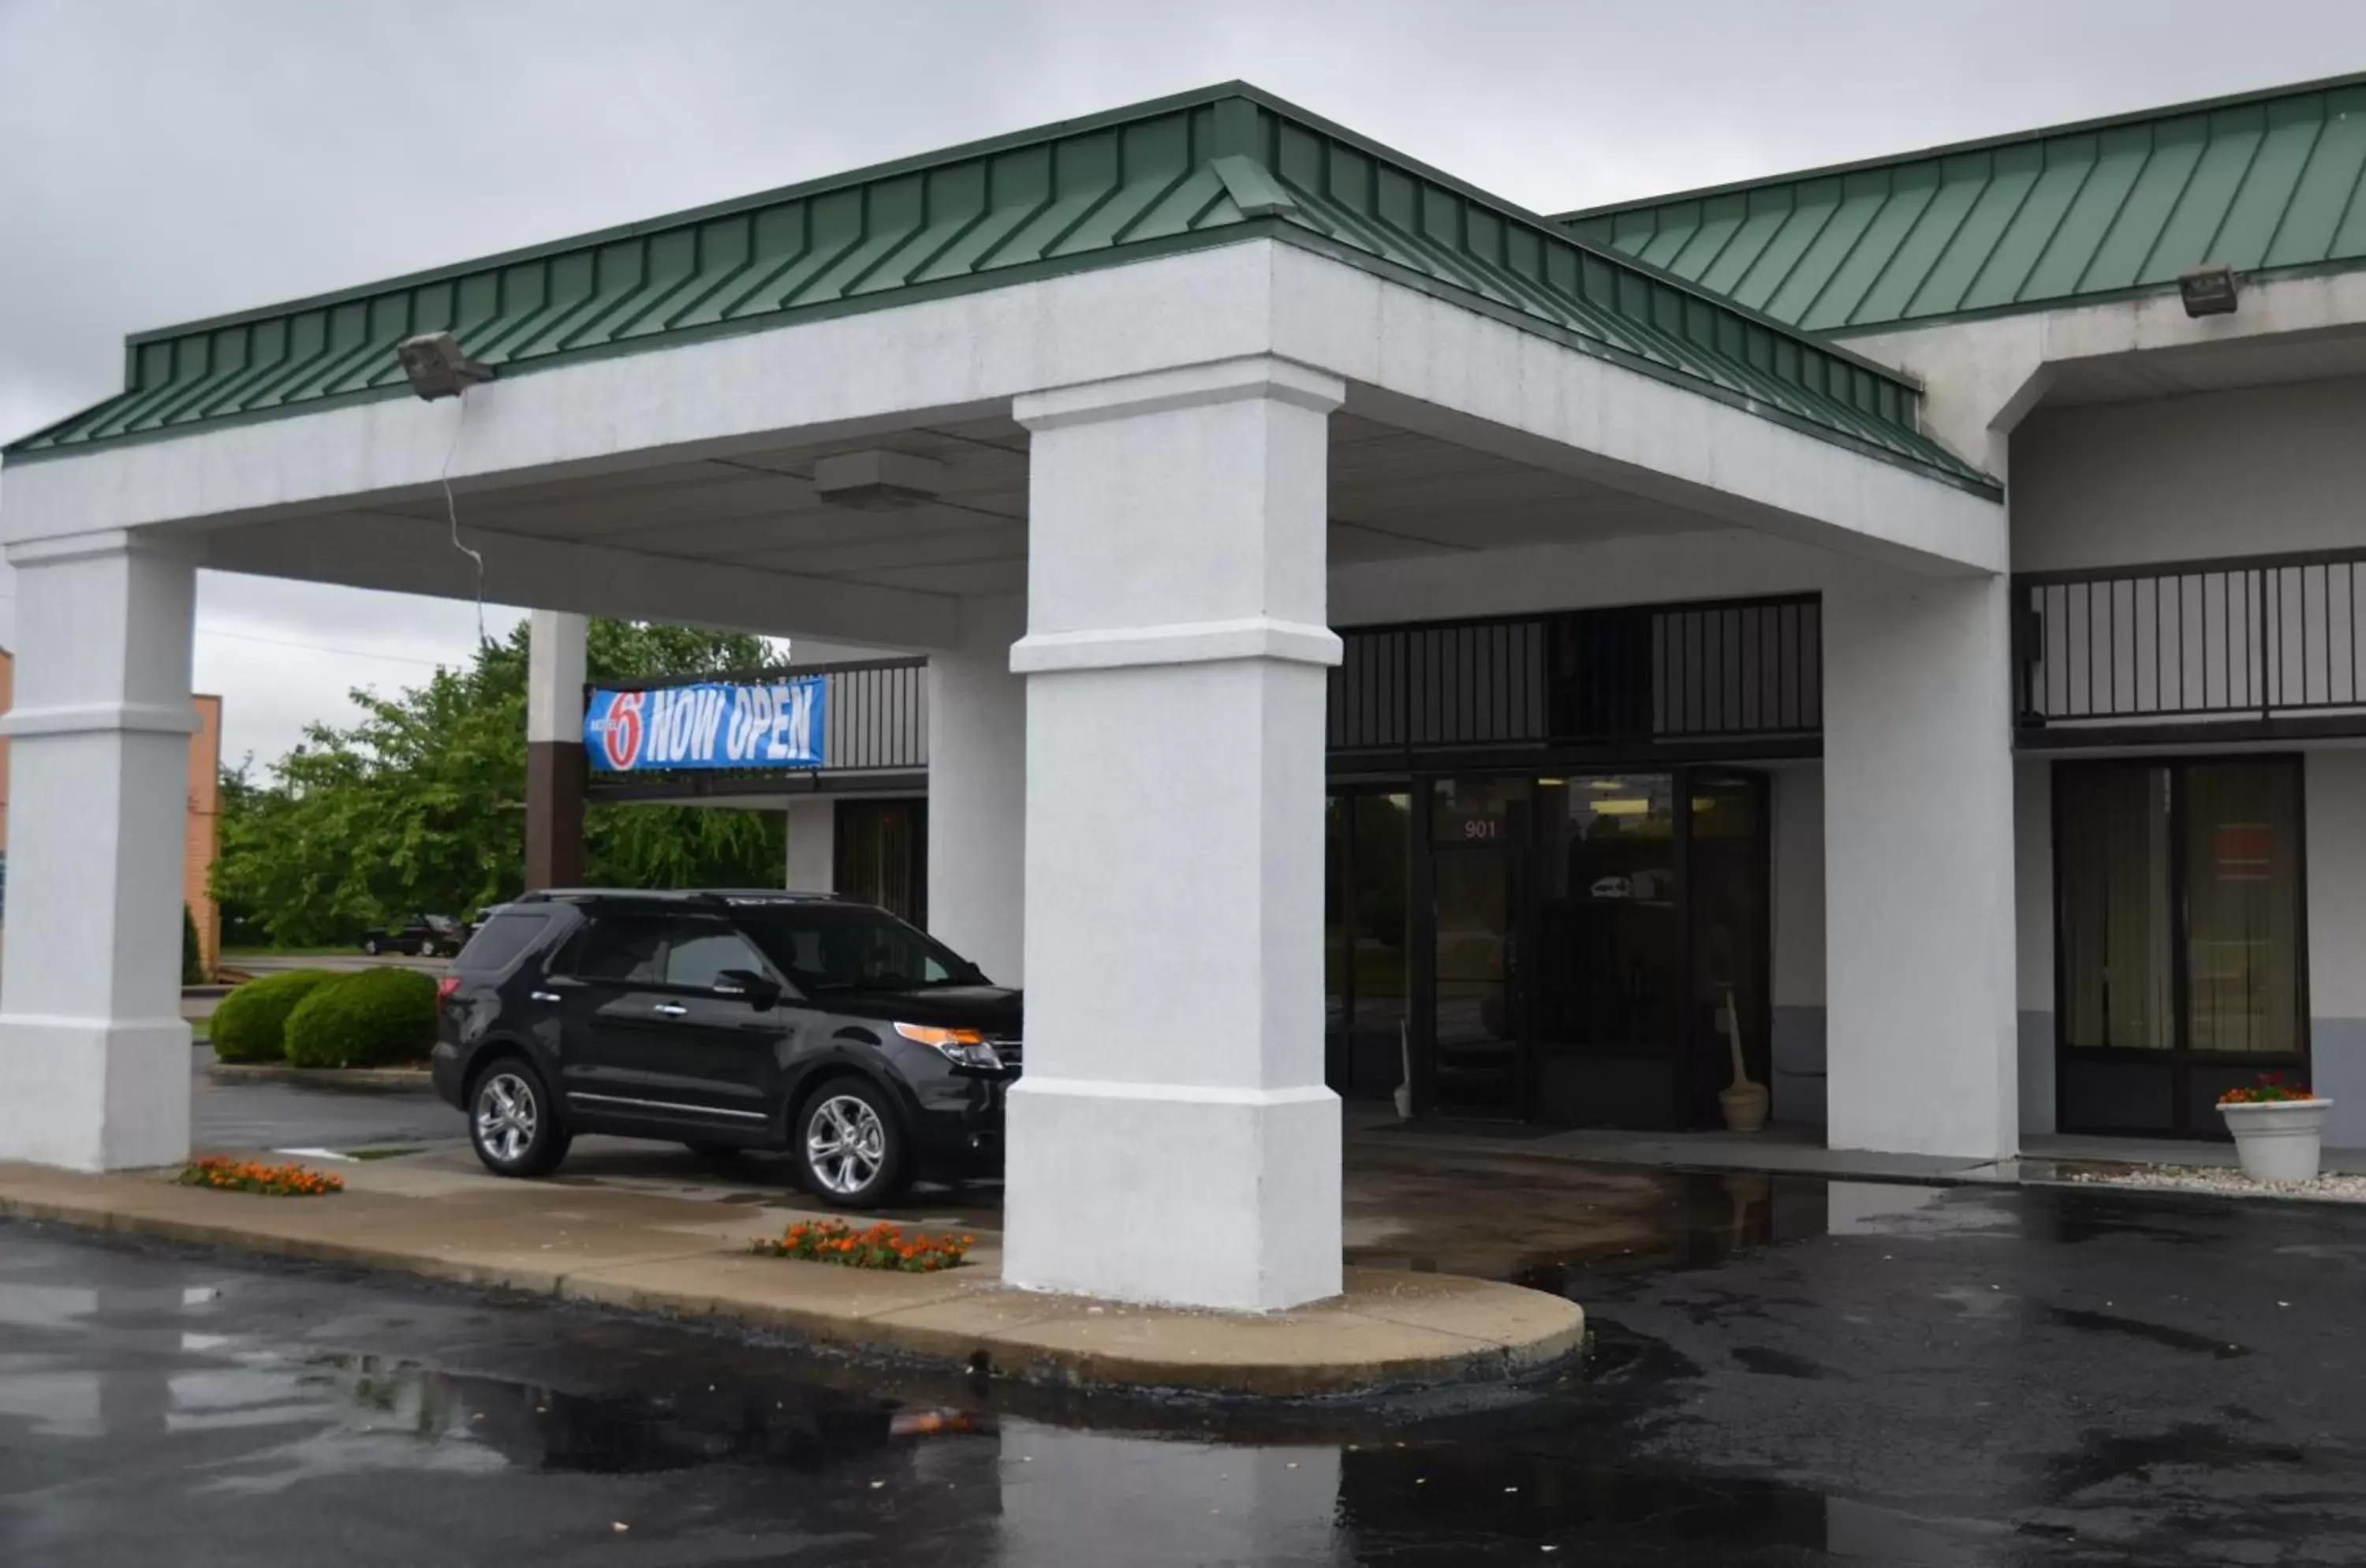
{"type": "Point", "coordinates": [274, 1115]}
{"type": "Point", "coordinates": [1784, 1372]}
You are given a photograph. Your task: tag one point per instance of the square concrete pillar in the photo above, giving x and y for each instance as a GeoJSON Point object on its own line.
{"type": "Point", "coordinates": [554, 763]}
{"type": "Point", "coordinates": [1172, 1139]}
{"type": "Point", "coordinates": [813, 843]}
{"type": "Point", "coordinates": [977, 791]}
{"type": "Point", "coordinates": [92, 1047]}
{"type": "Point", "coordinates": [1920, 1048]}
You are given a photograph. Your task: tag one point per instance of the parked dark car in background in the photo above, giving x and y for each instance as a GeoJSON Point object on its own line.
{"type": "Point", "coordinates": [421, 936]}
{"type": "Point", "coordinates": [728, 1021]}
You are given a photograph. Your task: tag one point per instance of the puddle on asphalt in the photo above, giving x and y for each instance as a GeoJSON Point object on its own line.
{"type": "Point", "coordinates": [764, 1422]}
{"type": "Point", "coordinates": [1045, 1492]}
{"type": "Point", "coordinates": [1555, 1236]}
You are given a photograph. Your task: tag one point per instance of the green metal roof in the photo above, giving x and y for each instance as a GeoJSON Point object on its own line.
{"type": "Point", "coordinates": [1205, 168]}
{"type": "Point", "coordinates": [2265, 182]}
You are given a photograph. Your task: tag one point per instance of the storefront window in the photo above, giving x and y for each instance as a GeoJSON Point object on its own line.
{"type": "Point", "coordinates": [1382, 890]}
{"type": "Point", "coordinates": [2242, 846]}
{"type": "Point", "coordinates": [2116, 907]}
{"type": "Point", "coordinates": [2179, 919]}
{"type": "Point", "coordinates": [1367, 894]}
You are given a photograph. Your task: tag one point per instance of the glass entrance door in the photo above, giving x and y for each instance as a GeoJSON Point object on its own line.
{"type": "Point", "coordinates": [2178, 939]}
{"type": "Point", "coordinates": [1478, 1058]}
{"type": "Point", "coordinates": [1584, 934]}
{"type": "Point", "coordinates": [1607, 950]}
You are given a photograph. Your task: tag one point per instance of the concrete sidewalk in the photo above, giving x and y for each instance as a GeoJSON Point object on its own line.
{"type": "Point", "coordinates": [689, 1256]}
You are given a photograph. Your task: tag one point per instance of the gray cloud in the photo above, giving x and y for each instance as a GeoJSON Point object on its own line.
{"type": "Point", "coordinates": [169, 161]}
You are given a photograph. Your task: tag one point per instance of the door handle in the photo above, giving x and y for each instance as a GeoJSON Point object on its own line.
{"type": "Point", "coordinates": [670, 1009]}
{"type": "Point", "coordinates": [543, 995]}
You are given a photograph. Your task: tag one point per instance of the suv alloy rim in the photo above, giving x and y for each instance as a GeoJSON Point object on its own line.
{"type": "Point", "coordinates": [845, 1143]}
{"type": "Point", "coordinates": [505, 1117]}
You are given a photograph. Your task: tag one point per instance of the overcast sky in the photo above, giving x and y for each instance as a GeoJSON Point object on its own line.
{"type": "Point", "coordinates": [162, 162]}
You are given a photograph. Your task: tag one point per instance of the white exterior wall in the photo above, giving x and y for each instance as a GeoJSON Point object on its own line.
{"type": "Point", "coordinates": [1920, 1041]}
{"type": "Point", "coordinates": [1980, 378]}
{"type": "Point", "coordinates": [813, 845]}
{"type": "Point", "coordinates": [977, 792]}
{"type": "Point", "coordinates": [2260, 471]}
{"type": "Point", "coordinates": [1173, 1139]}
{"type": "Point", "coordinates": [92, 1047]}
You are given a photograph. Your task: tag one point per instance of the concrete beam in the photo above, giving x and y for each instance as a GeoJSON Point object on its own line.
{"type": "Point", "coordinates": [1422, 363]}
{"type": "Point", "coordinates": [408, 556]}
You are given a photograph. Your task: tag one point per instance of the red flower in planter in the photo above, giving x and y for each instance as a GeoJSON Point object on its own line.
{"type": "Point", "coordinates": [2271, 1089]}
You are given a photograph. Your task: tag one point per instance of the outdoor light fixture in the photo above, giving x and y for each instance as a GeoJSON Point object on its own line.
{"type": "Point", "coordinates": [2208, 291]}
{"type": "Point", "coordinates": [878, 480]}
{"type": "Point", "coordinates": [437, 367]}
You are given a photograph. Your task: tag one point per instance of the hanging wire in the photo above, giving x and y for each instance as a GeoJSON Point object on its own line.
{"type": "Point", "coordinates": [452, 512]}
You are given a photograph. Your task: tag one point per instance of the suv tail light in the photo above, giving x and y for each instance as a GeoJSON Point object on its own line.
{"type": "Point", "coordinates": [446, 987]}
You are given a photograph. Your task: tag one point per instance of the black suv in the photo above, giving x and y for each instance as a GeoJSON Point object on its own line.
{"type": "Point", "coordinates": [728, 1021]}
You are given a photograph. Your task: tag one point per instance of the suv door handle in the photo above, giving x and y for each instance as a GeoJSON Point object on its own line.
{"type": "Point", "coordinates": [542, 996]}
{"type": "Point", "coordinates": [670, 1009]}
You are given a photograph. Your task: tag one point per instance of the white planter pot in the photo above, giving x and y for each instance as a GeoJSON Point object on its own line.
{"type": "Point", "coordinates": [2277, 1140]}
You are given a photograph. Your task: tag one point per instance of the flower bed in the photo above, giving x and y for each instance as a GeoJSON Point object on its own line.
{"type": "Point", "coordinates": [247, 1176]}
{"type": "Point", "coordinates": [881, 1247]}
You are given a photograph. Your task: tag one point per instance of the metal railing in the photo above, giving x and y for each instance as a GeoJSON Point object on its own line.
{"type": "Point", "coordinates": [1732, 670]}
{"type": "Point", "coordinates": [2274, 640]}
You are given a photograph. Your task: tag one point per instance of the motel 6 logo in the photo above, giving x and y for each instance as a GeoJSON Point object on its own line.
{"type": "Point", "coordinates": [621, 731]}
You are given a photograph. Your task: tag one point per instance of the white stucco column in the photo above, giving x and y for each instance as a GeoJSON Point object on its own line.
{"type": "Point", "coordinates": [93, 1050]}
{"type": "Point", "coordinates": [1920, 1048]}
{"type": "Point", "coordinates": [813, 843]}
{"type": "Point", "coordinates": [977, 791]}
{"type": "Point", "coordinates": [554, 763]}
{"type": "Point", "coordinates": [1172, 1139]}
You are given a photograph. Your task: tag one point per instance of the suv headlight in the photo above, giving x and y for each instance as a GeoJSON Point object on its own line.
{"type": "Point", "coordinates": [963, 1047]}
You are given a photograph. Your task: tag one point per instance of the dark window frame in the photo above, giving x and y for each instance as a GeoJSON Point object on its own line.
{"type": "Point", "coordinates": [2178, 1059]}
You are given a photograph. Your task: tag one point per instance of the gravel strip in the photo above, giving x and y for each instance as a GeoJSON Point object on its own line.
{"type": "Point", "coordinates": [2226, 1181]}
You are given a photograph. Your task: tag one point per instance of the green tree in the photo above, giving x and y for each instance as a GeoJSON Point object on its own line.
{"type": "Point", "coordinates": [422, 804]}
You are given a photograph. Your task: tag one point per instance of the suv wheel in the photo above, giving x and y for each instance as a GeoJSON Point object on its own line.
{"type": "Point", "coordinates": [513, 1123]}
{"type": "Point", "coordinates": [370, 945]}
{"type": "Point", "coordinates": [851, 1146]}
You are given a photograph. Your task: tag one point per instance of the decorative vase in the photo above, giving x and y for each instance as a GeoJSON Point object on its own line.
{"type": "Point", "coordinates": [1745, 1100]}
{"type": "Point", "coordinates": [2277, 1140]}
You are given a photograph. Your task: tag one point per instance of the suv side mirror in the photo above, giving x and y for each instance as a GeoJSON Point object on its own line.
{"type": "Point", "coordinates": [759, 991]}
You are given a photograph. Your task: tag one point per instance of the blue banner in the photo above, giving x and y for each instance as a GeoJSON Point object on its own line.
{"type": "Point", "coordinates": [772, 723]}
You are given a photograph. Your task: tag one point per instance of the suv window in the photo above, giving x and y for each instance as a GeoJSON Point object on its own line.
{"type": "Point", "coordinates": [698, 951]}
{"type": "Point", "coordinates": [500, 939]}
{"type": "Point", "coordinates": [838, 947]}
{"type": "Point", "coordinates": [617, 947]}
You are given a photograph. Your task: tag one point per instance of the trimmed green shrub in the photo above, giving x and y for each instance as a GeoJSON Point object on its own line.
{"type": "Point", "coordinates": [365, 1020]}
{"type": "Point", "coordinates": [250, 1025]}
{"type": "Point", "coordinates": [193, 957]}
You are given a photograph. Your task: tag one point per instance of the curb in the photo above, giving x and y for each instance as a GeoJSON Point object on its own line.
{"type": "Point", "coordinates": [984, 1328]}
{"type": "Point", "coordinates": [359, 1080]}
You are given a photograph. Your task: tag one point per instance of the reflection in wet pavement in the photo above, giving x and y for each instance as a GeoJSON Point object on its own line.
{"type": "Point", "coordinates": [1783, 1371]}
